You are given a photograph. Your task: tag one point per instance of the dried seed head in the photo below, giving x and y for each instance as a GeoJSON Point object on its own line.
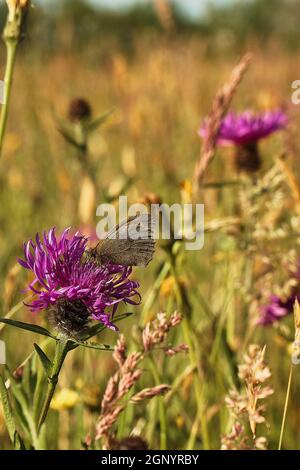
{"type": "Point", "coordinates": [79, 110]}
{"type": "Point", "coordinates": [127, 381]}
{"type": "Point", "coordinates": [148, 393]}
{"type": "Point", "coordinates": [297, 320]}
{"type": "Point", "coordinates": [106, 421]}
{"type": "Point", "coordinates": [119, 354]}
{"type": "Point", "coordinates": [220, 107]}
{"type": "Point", "coordinates": [244, 405]}
{"type": "Point", "coordinates": [155, 332]}
{"type": "Point", "coordinates": [175, 319]}
{"type": "Point", "coordinates": [69, 317]}
{"type": "Point", "coordinates": [111, 392]}
{"type": "Point", "coordinates": [180, 348]}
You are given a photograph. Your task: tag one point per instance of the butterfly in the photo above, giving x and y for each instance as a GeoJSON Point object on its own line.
{"type": "Point", "coordinates": [131, 243]}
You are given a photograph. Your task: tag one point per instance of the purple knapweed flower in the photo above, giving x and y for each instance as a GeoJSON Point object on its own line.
{"type": "Point", "coordinates": [246, 127]}
{"type": "Point", "coordinates": [72, 286]}
{"type": "Point", "coordinates": [276, 309]}
{"type": "Point", "coordinates": [245, 130]}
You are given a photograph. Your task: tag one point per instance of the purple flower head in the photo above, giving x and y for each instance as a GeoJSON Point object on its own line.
{"type": "Point", "coordinates": [276, 309]}
{"type": "Point", "coordinates": [248, 128]}
{"type": "Point", "coordinates": [75, 285]}
{"type": "Point", "coordinates": [279, 307]}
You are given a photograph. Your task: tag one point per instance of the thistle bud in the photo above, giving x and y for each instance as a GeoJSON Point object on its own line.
{"type": "Point", "coordinates": [79, 110]}
{"type": "Point", "coordinates": [70, 318]}
{"type": "Point", "coordinates": [247, 158]}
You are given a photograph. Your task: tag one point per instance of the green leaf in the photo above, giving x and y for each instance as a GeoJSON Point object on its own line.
{"type": "Point", "coordinates": [20, 402]}
{"type": "Point", "coordinates": [15, 309]}
{"type": "Point", "coordinates": [27, 326]}
{"type": "Point", "coordinates": [46, 363]}
{"type": "Point", "coordinates": [16, 388]}
{"type": "Point", "coordinates": [68, 136]}
{"type": "Point", "coordinates": [101, 347]}
{"type": "Point", "coordinates": [28, 380]}
{"type": "Point", "coordinates": [8, 416]}
{"type": "Point", "coordinates": [92, 125]}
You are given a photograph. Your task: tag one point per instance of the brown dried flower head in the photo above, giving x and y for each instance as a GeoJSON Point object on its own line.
{"type": "Point", "coordinates": [244, 406]}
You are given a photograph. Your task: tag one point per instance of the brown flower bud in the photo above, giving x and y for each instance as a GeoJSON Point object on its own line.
{"type": "Point", "coordinates": [79, 110]}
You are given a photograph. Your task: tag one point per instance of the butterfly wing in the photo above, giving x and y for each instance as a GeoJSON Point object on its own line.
{"type": "Point", "coordinates": [130, 243]}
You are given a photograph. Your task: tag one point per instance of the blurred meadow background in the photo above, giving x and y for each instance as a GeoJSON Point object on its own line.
{"type": "Point", "coordinates": [159, 65]}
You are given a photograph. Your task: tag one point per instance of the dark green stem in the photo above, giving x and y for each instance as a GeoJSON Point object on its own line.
{"type": "Point", "coordinates": [61, 352]}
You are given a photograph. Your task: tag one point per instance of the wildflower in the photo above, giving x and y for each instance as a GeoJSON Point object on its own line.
{"type": "Point", "coordinates": [281, 304]}
{"type": "Point", "coordinates": [276, 309]}
{"type": "Point", "coordinates": [186, 190]}
{"type": "Point", "coordinates": [129, 373]}
{"type": "Point", "coordinates": [244, 405]}
{"type": "Point", "coordinates": [168, 285]}
{"type": "Point", "coordinates": [71, 287]}
{"type": "Point", "coordinates": [155, 332]}
{"type": "Point", "coordinates": [79, 110]}
{"type": "Point", "coordinates": [64, 399]}
{"type": "Point", "coordinates": [245, 130]}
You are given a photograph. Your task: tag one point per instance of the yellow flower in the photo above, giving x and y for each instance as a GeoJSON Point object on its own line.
{"type": "Point", "coordinates": [186, 189]}
{"type": "Point", "coordinates": [90, 394]}
{"type": "Point", "coordinates": [179, 421]}
{"type": "Point", "coordinates": [168, 286]}
{"type": "Point", "coordinates": [64, 399]}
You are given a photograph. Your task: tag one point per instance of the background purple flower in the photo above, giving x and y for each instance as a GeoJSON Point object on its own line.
{"type": "Point", "coordinates": [276, 309]}
{"type": "Point", "coordinates": [62, 273]}
{"type": "Point", "coordinates": [246, 128]}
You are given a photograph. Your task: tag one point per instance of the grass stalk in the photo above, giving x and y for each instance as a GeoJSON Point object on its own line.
{"type": "Point", "coordinates": [287, 396]}
{"type": "Point", "coordinates": [11, 52]}
{"type": "Point", "coordinates": [161, 407]}
{"type": "Point", "coordinates": [188, 337]}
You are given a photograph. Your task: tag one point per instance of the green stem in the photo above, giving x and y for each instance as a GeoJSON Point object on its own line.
{"type": "Point", "coordinates": [188, 337]}
{"type": "Point", "coordinates": [161, 408]}
{"type": "Point", "coordinates": [11, 50]}
{"type": "Point", "coordinates": [61, 352]}
{"type": "Point", "coordinates": [285, 407]}
{"type": "Point", "coordinates": [201, 415]}
{"type": "Point", "coordinates": [154, 292]}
